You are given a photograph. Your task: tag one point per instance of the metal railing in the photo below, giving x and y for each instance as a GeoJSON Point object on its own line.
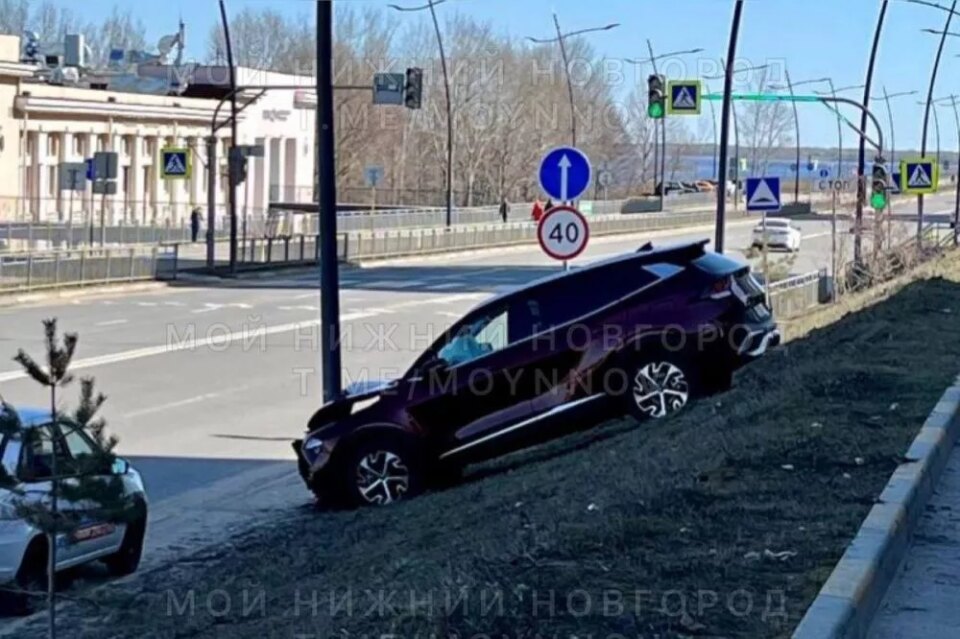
{"type": "Point", "coordinates": [795, 295]}
{"type": "Point", "coordinates": [39, 270]}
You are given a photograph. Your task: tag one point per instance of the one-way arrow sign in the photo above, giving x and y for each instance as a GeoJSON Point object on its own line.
{"type": "Point", "coordinates": [565, 173]}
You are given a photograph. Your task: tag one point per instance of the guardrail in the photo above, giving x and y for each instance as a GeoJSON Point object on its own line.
{"type": "Point", "coordinates": [80, 267]}
{"type": "Point", "coordinates": [794, 295]}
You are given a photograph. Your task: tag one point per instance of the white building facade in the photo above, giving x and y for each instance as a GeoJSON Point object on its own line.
{"type": "Point", "coordinates": [43, 126]}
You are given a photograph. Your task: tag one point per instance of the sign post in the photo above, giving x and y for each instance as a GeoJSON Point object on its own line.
{"type": "Point", "coordinates": [373, 175]}
{"type": "Point", "coordinates": [563, 233]}
{"type": "Point", "coordinates": [763, 196]}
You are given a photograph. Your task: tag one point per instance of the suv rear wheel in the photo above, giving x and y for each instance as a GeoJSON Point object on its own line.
{"type": "Point", "coordinates": [380, 471]}
{"type": "Point", "coordinates": [660, 385]}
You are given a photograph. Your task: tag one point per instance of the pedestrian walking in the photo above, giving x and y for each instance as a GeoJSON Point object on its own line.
{"type": "Point", "coordinates": [195, 218]}
{"type": "Point", "coordinates": [504, 209]}
{"type": "Point", "coordinates": [537, 211]}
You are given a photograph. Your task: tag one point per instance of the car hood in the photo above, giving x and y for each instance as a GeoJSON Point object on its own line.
{"type": "Point", "coordinates": [341, 407]}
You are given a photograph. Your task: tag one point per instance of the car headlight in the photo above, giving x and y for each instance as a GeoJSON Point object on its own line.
{"type": "Point", "coordinates": [312, 445]}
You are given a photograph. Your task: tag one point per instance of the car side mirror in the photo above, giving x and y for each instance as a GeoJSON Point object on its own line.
{"type": "Point", "coordinates": [120, 466]}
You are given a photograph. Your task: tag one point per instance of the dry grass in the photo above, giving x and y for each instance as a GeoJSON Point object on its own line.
{"type": "Point", "coordinates": [749, 495]}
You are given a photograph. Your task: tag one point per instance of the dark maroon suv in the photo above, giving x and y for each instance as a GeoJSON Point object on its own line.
{"type": "Point", "coordinates": [641, 333]}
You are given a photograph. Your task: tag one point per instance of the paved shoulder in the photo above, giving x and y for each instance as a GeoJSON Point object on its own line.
{"type": "Point", "coordinates": [924, 599]}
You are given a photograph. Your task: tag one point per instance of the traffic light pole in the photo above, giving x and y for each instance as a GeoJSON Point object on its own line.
{"type": "Point", "coordinates": [663, 132]}
{"type": "Point", "coordinates": [233, 138]}
{"type": "Point", "coordinates": [327, 206]}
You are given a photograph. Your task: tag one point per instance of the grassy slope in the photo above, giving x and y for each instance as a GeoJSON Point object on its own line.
{"type": "Point", "coordinates": [664, 513]}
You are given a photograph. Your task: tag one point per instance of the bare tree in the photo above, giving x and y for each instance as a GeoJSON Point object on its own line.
{"type": "Point", "coordinates": [14, 16]}
{"type": "Point", "coordinates": [121, 31]}
{"type": "Point", "coordinates": [764, 126]}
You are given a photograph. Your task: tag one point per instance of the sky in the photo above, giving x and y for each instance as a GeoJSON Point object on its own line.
{"type": "Point", "coordinates": [810, 38]}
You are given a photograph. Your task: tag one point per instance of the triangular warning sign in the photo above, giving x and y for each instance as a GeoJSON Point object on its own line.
{"type": "Point", "coordinates": [919, 179]}
{"type": "Point", "coordinates": [175, 165]}
{"type": "Point", "coordinates": [684, 99]}
{"type": "Point", "coordinates": [763, 196]}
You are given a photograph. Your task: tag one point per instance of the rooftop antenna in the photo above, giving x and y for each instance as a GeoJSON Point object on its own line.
{"type": "Point", "coordinates": [181, 41]}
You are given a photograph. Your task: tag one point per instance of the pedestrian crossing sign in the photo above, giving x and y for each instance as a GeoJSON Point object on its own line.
{"type": "Point", "coordinates": [919, 175]}
{"type": "Point", "coordinates": [175, 163]}
{"type": "Point", "coordinates": [684, 97]}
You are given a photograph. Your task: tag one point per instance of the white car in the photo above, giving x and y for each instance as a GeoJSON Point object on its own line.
{"type": "Point", "coordinates": [780, 233]}
{"type": "Point", "coordinates": [26, 457]}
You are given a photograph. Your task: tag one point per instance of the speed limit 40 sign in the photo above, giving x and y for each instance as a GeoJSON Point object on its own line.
{"type": "Point", "coordinates": [563, 233]}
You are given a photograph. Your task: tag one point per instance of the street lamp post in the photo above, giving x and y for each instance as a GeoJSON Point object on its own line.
{"type": "Point", "coordinates": [790, 86]}
{"type": "Point", "coordinates": [936, 127]}
{"type": "Point", "coordinates": [716, 139]}
{"type": "Point", "coordinates": [833, 93]}
{"type": "Point", "coordinates": [926, 115]}
{"type": "Point", "coordinates": [652, 60]}
{"type": "Point", "coordinates": [725, 125]}
{"type": "Point", "coordinates": [431, 6]}
{"type": "Point", "coordinates": [736, 133]}
{"type": "Point", "coordinates": [233, 139]}
{"type": "Point", "coordinates": [559, 39]}
{"type": "Point", "coordinates": [887, 97]}
{"type": "Point", "coordinates": [956, 209]}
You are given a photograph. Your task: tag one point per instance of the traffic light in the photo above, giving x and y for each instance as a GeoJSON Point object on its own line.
{"type": "Point", "coordinates": [656, 107]}
{"type": "Point", "coordinates": [878, 196]}
{"type": "Point", "coordinates": [413, 88]}
{"type": "Point", "coordinates": [237, 163]}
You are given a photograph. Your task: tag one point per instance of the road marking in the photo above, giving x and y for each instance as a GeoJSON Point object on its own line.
{"type": "Point", "coordinates": [816, 235]}
{"type": "Point", "coordinates": [112, 322]}
{"type": "Point", "coordinates": [216, 307]}
{"type": "Point", "coordinates": [305, 307]}
{"type": "Point", "coordinates": [177, 404]}
{"type": "Point", "coordinates": [447, 286]}
{"type": "Point", "coordinates": [223, 340]}
{"type": "Point", "coordinates": [146, 303]}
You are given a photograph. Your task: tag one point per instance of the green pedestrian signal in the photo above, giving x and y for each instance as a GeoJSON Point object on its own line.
{"type": "Point", "coordinates": [656, 102]}
{"type": "Point", "coordinates": [878, 200]}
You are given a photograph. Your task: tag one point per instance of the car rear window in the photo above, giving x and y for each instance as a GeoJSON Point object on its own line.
{"type": "Point", "coordinates": [583, 293]}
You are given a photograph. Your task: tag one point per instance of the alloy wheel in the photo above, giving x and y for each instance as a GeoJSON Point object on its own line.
{"type": "Point", "coordinates": [660, 389]}
{"type": "Point", "coordinates": [382, 477]}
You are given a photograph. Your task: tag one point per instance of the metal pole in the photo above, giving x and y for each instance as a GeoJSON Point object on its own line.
{"type": "Point", "coordinates": [833, 90]}
{"type": "Point", "coordinates": [446, 88]}
{"type": "Point", "coordinates": [893, 139]}
{"type": "Point", "coordinates": [212, 166]}
{"type": "Point", "coordinates": [663, 129]}
{"type": "Point", "coordinates": [725, 125]}
{"type": "Point", "coordinates": [736, 169]}
{"type": "Point", "coordinates": [926, 116]}
{"type": "Point", "coordinates": [796, 121]}
{"type": "Point", "coordinates": [956, 207]}
{"type": "Point", "coordinates": [936, 128]}
{"type": "Point", "coordinates": [716, 142]}
{"type": "Point", "coordinates": [327, 205]}
{"type": "Point", "coordinates": [862, 152]}
{"type": "Point", "coordinates": [233, 138]}
{"type": "Point", "coordinates": [566, 70]}
{"type": "Point", "coordinates": [833, 244]}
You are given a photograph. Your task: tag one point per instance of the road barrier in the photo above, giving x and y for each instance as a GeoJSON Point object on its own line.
{"type": "Point", "coordinates": [796, 295]}
{"type": "Point", "coordinates": [21, 272]}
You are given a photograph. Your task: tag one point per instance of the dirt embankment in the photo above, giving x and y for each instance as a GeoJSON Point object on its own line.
{"type": "Point", "coordinates": [722, 522]}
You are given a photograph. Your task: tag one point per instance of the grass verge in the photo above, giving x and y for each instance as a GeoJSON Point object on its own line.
{"type": "Point", "coordinates": [724, 521]}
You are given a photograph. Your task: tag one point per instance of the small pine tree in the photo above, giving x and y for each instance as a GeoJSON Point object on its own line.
{"type": "Point", "coordinates": [92, 486]}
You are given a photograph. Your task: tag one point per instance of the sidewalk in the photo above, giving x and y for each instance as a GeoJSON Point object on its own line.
{"type": "Point", "coordinates": [924, 599]}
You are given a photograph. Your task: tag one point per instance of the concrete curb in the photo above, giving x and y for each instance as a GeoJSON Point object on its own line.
{"type": "Point", "coordinates": [846, 604]}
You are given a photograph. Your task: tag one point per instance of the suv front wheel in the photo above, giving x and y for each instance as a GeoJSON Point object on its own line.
{"type": "Point", "coordinates": [659, 386]}
{"type": "Point", "coordinates": [380, 471]}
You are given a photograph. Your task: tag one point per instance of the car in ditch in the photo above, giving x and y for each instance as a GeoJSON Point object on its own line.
{"type": "Point", "coordinates": [27, 459]}
{"type": "Point", "coordinates": [642, 333]}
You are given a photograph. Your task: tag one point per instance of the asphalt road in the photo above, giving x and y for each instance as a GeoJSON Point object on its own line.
{"type": "Point", "coordinates": [207, 385]}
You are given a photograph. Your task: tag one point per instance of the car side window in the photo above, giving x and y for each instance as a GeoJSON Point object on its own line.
{"type": "Point", "coordinates": [36, 460]}
{"type": "Point", "coordinates": [78, 445]}
{"type": "Point", "coordinates": [475, 339]}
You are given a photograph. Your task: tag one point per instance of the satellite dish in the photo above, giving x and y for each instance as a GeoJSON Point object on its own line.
{"type": "Point", "coordinates": [166, 44]}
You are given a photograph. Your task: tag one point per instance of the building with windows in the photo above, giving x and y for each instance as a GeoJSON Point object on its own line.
{"type": "Point", "coordinates": [44, 125]}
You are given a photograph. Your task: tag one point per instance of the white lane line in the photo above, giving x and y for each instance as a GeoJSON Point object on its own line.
{"type": "Point", "coordinates": [447, 286]}
{"type": "Point", "coordinates": [304, 307]}
{"type": "Point", "coordinates": [816, 235]}
{"type": "Point", "coordinates": [168, 406]}
{"type": "Point", "coordinates": [146, 303]}
{"type": "Point", "coordinates": [176, 343]}
{"type": "Point", "coordinates": [112, 322]}
{"type": "Point", "coordinates": [377, 284]}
